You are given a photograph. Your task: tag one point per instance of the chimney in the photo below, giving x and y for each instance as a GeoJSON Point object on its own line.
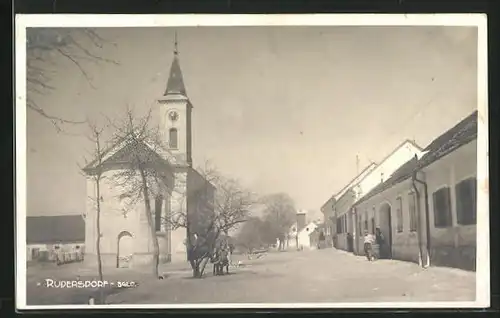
{"type": "Point", "coordinates": [301, 220]}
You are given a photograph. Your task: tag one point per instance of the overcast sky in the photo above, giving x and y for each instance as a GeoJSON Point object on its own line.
{"type": "Point", "coordinates": [284, 109]}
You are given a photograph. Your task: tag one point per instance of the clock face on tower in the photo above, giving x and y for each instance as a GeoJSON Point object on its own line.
{"type": "Point", "coordinates": [173, 115]}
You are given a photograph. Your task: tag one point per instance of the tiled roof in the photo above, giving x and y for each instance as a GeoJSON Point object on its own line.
{"type": "Point", "coordinates": [55, 229]}
{"type": "Point", "coordinates": [461, 134]}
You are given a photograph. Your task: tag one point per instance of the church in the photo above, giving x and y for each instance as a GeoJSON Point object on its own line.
{"type": "Point", "coordinates": [125, 233]}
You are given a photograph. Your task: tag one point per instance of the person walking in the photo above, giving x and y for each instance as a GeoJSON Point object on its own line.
{"type": "Point", "coordinates": [321, 240]}
{"type": "Point", "coordinates": [368, 241]}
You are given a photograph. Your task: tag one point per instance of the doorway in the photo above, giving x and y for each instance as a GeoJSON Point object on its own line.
{"type": "Point", "coordinates": [125, 249]}
{"type": "Point", "coordinates": [385, 224]}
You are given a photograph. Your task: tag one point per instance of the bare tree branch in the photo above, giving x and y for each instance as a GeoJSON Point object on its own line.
{"type": "Point", "coordinates": [73, 44]}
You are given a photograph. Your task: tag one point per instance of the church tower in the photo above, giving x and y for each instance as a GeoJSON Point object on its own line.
{"type": "Point", "coordinates": [175, 114]}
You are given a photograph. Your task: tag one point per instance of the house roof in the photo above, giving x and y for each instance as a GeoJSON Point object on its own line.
{"type": "Point", "coordinates": [355, 180]}
{"type": "Point", "coordinates": [404, 143]}
{"type": "Point", "coordinates": [402, 173]}
{"type": "Point", "coordinates": [55, 229]}
{"type": "Point", "coordinates": [306, 226]}
{"type": "Point", "coordinates": [334, 198]}
{"type": "Point", "coordinates": [460, 134]}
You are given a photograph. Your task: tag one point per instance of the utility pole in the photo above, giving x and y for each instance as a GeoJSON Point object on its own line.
{"type": "Point", "coordinates": [357, 165]}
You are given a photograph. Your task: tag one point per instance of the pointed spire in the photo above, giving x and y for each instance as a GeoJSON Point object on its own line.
{"type": "Point", "coordinates": [175, 84]}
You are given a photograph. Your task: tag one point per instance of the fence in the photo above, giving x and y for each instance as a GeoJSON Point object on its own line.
{"type": "Point", "coordinates": [59, 258]}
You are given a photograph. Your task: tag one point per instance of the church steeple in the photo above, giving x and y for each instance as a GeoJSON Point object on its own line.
{"type": "Point", "coordinates": [175, 83]}
{"type": "Point", "coordinates": [175, 114]}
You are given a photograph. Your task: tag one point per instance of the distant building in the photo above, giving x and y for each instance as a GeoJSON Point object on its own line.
{"type": "Point", "coordinates": [299, 236]}
{"type": "Point", "coordinates": [329, 208]}
{"type": "Point", "coordinates": [427, 209]}
{"type": "Point", "coordinates": [50, 237]}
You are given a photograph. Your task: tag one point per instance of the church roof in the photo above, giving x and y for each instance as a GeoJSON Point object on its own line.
{"type": "Point", "coordinates": [119, 151]}
{"type": "Point", "coordinates": [175, 83]}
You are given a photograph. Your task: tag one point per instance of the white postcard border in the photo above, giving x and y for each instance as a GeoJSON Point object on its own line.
{"type": "Point", "coordinates": [193, 20]}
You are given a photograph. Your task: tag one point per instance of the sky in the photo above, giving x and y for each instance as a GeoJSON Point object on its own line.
{"type": "Point", "coordinates": [283, 109]}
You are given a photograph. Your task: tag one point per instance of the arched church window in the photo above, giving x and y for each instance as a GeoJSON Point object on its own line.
{"type": "Point", "coordinates": [172, 138]}
{"type": "Point", "coordinates": [158, 208]}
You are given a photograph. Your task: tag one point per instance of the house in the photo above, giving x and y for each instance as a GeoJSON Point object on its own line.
{"type": "Point", "coordinates": [427, 209]}
{"type": "Point", "coordinates": [46, 236]}
{"type": "Point", "coordinates": [300, 233]}
{"type": "Point", "coordinates": [329, 207]}
{"type": "Point", "coordinates": [125, 227]}
{"type": "Point", "coordinates": [346, 232]}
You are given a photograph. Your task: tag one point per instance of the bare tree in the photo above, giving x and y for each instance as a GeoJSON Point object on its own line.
{"type": "Point", "coordinates": [96, 174]}
{"type": "Point", "coordinates": [280, 213]}
{"type": "Point", "coordinates": [250, 237]}
{"type": "Point", "coordinates": [220, 207]}
{"type": "Point", "coordinates": [45, 47]}
{"type": "Point", "coordinates": [142, 173]}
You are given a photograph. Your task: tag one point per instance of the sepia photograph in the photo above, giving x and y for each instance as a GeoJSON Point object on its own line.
{"type": "Point", "coordinates": [263, 161]}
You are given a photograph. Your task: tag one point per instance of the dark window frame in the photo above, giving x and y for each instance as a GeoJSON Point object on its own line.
{"type": "Point", "coordinates": [442, 219]}
{"type": "Point", "coordinates": [471, 217]}
{"type": "Point", "coordinates": [365, 222]}
{"type": "Point", "coordinates": [412, 211]}
{"type": "Point", "coordinates": [173, 138]}
{"type": "Point", "coordinates": [158, 210]}
{"type": "Point", "coordinates": [399, 215]}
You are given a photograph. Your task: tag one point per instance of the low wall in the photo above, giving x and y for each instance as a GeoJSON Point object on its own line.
{"type": "Point", "coordinates": [110, 260]}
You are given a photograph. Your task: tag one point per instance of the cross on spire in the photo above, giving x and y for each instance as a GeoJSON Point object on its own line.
{"type": "Point", "coordinates": [175, 83]}
{"type": "Point", "coordinates": [176, 50]}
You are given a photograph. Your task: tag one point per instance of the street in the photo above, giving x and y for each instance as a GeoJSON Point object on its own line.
{"type": "Point", "coordinates": [288, 277]}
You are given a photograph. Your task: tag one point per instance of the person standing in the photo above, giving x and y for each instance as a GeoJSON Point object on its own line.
{"type": "Point", "coordinates": [380, 241]}
{"type": "Point", "coordinates": [321, 239]}
{"type": "Point", "coordinates": [350, 240]}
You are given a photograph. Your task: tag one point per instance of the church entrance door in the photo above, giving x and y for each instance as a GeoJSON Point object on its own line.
{"type": "Point", "coordinates": [125, 249]}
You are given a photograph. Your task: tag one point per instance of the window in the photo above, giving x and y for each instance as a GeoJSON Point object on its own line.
{"type": "Point", "coordinates": [399, 214]}
{"type": "Point", "coordinates": [465, 192]}
{"type": "Point", "coordinates": [442, 207]}
{"type": "Point", "coordinates": [345, 222]}
{"type": "Point", "coordinates": [158, 206]}
{"type": "Point", "coordinates": [341, 224]}
{"type": "Point", "coordinates": [412, 209]}
{"type": "Point", "coordinates": [366, 222]}
{"type": "Point", "coordinates": [172, 138]}
{"type": "Point", "coordinates": [373, 219]}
